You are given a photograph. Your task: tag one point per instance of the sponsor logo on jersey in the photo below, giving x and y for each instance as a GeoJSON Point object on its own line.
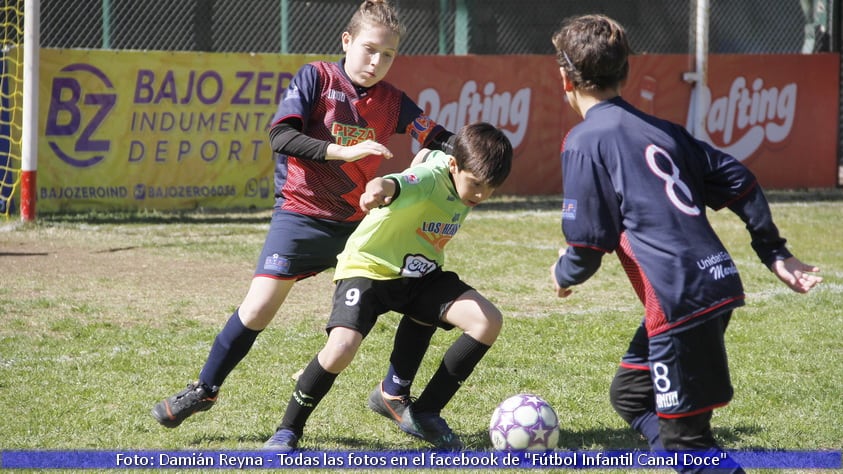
{"type": "Point", "coordinates": [347, 135]}
{"type": "Point", "coordinates": [416, 266]}
{"type": "Point", "coordinates": [336, 95]}
{"type": "Point", "coordinates": [411, 178]}
{"type": "Point", "coordinates": [438, 234]}
{"type": "Point", "coordinates": [719, 265]}
{"type": "Point", "coordinates": [667, 399]}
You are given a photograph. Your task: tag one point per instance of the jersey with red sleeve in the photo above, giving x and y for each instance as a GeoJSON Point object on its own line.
{"type": "Point", "coordinates": [330, 107]}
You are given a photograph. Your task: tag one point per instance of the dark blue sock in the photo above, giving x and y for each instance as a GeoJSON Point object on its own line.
{"type": "Point", "coordinates": [648, 425]}
{"type": "Point", "coordinates": [230, 347]}
{"type": "Point", "coordinates": [411, 343]}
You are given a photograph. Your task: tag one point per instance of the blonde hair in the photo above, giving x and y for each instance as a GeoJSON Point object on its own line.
{"type": "Point", "coordinates": [375, 12]}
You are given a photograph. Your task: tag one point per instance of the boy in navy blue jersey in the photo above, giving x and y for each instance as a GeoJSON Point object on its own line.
{"type": "Point", "coordinates": [639, 186]}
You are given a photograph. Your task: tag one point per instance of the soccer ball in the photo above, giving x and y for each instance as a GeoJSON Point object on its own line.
{"type": "Point", "coordinates": [524, 422]}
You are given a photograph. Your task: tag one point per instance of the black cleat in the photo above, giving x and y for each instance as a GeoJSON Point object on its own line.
{"type": "Point", "coordinates": [170, 412]}
{"type": "Point", "coordinates": [431, 428]}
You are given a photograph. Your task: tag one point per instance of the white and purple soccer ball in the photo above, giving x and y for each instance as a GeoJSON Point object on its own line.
{"type": "Point", "coordinates": [524, 422]}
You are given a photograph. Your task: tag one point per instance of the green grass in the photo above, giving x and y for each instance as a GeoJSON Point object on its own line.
{"type": "Point", "coordinates": [104, 314]}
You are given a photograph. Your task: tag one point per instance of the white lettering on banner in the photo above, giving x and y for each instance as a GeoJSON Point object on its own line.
{"type": "Point", "coordinates": [506, 110]}
{"type": "Point", "coordinates": [747, 116]}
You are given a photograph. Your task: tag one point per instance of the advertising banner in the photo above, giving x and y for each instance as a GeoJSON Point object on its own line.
{"type": "Point", "coordinates": [158, 130]}
{"type": "Point", "coordinates": [163, 130]}
{"type": "Point", "coordinates": [775, 113]}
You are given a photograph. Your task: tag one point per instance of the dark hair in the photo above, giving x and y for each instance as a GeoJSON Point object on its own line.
{"type": "Point", "coordinates": [377, 12]}
{"type": "Point", "coordinates": [593, 50]}
{"type": "Point", "coordinates": [483, 150]}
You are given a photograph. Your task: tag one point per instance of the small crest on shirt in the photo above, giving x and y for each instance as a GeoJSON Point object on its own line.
{"type": "Point", "coordinates": [276, 263]}
{"type": "Point", "coordinates": [569, 209]}
{"type": "Point", "coordinates": [411, 178]}
{"type": "Point", "coordinates": [292, 93]}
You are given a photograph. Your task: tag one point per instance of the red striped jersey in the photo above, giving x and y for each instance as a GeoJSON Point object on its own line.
{"type": "Point", "coordinates": [332, 108]}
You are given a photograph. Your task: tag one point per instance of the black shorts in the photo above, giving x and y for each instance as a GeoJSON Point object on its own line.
{"type": "Point", "coordinates": [359, 301]}
{"type": "Point", "coordinates": [688, 369]}
{"type": "Point", "coordinates": [298, 246]}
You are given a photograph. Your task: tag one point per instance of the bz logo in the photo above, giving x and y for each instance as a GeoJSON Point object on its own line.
{"type": "Point", "coordinates": [65, 118]}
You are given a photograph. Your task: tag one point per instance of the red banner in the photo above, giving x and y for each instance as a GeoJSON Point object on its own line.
{"type": "Point", "coordinates": [776, 113]}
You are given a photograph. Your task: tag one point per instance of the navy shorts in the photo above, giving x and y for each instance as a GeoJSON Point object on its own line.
{"type": "Point", "coordinates": [299, 246]}
{"type": "Point", "coordinates": [359, 301]}
{"type": "Point", "coordinates": [689, 369]}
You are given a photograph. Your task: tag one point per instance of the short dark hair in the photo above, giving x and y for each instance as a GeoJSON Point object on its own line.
{"type": "Point", "coordinates": [593, 50]}
{"type": "Point", "coordinates": [484, 150]}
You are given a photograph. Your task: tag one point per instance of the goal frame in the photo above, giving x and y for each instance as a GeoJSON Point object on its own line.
{"type": "Point", "coordinates": [29, 124]}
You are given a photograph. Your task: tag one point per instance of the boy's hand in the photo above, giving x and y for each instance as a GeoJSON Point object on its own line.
{"type": "Point", "coordinates": [357, 151]}
{"type": "Point", "coordinates": [378, 193]}
{"type": "Point", "coordinates": [796, 275]}
{"type": "Point", "coordinates": [560, 292]}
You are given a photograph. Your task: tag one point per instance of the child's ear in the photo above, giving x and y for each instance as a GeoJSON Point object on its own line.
{"type": "Point", "coordinates": [346, 40]}
{"type": "Point", "coordinates": [567, 84]}
{"type": "Point", "coordinates": [452, 165]}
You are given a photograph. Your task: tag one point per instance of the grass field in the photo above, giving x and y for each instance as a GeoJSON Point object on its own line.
{"type": "Point", "coordinates": [104, 314]}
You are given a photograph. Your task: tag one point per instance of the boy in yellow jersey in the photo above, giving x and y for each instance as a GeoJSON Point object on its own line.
{"type": "Point", "coordinates": [393, 262]}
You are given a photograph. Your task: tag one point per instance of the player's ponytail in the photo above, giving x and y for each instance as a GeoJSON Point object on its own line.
{"type": "Point", "coordinates": [375, 12]}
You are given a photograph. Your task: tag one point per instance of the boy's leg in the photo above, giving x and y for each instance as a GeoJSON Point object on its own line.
{"type": "Point", "coordinates": [633, 398]}
{"type": "Point", "coordinates": [412, 338]}
{"type": "Point", "coordinates": [391, 397]}
{"type": "Point", "coordinates": [481, 323]}
{"type": "Point", "coordinates": [693, 433]}
{"type": "Point", "coordinates": [313, 384]}
{"type": "Point", "coordinates": [632, 394]}
{"type": "Point", "coordinates": [691, 372]}
{"type": "Point", "coordinates": [265, 297]}
{"type": "Point", "coordinates": [457, 364]}
{"type": "Point", "coordinates": [230, 346]}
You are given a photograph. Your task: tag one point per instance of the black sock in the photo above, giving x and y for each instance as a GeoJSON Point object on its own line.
{"type": "Point", "coordinates": [457, 364]}
{"type": "Point", "coordinates": [313, 384]}
{"type": "Point", "coordinates": [411, 342]}
{"type": "Point", "coordinates": [230, 347]}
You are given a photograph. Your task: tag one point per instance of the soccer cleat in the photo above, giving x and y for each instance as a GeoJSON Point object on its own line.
{"type": "Point", "coordinates": [431, 428]}
{"type": "Point", "coordinates": [170, 412]}
{"type": "Point", "coordinates": [283, 440]}
{"type": "Point", "coordinates": [392, 407]}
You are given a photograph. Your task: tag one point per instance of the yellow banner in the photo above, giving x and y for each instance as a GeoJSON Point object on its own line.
{"type": "Point", "coordinates": [158, 130]}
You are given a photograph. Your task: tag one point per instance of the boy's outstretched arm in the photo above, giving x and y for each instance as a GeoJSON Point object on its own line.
{"type": "Point", "coordinates": [754, 210]}
{"type": "Point", "coordinates": [800, 277]}
{"type": "Point", "coordinates": [379, 192]}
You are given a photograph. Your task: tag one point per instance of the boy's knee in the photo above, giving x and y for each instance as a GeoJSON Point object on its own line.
{"type": "Point", "coordinates": [631, 393]}
{"type": "Point", "coordinates": [488, 327]}
{"type": "Point", "coordinates": [340, 350]}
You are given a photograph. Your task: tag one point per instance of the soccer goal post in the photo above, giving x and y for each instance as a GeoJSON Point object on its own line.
{"type": "Point", "coordinates": [19, 62]}
{"type": "Point", "coordinates": [29, 125]}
